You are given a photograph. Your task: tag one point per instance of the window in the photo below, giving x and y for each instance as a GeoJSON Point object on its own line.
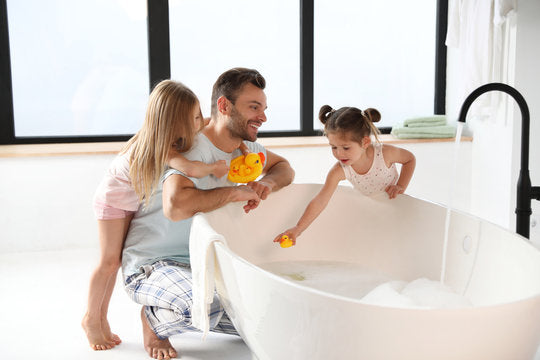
{"type": "Point", "coordinates": [204, 46]}
{"type": "Point", "coordinates": [80, 70]}
{"type": "Point", "coordinates": [378, 54]}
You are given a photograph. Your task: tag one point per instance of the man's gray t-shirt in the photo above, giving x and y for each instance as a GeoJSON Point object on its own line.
{"type": "Point", "coordinates": [151, 236]}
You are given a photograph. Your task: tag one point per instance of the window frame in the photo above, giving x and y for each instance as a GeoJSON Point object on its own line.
{"type": "Point", "coordinates": [160, 69]}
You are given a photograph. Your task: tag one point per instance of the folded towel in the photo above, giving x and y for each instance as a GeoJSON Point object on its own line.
{"type": "Point", "coordinates": [431, 132]}
{"type": "Point", "coordinates": [202, 257]}
{"type": "Point", "coordinates": [425, 121]}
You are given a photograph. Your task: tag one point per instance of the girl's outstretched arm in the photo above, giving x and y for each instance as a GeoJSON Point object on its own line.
{"type": "Point", "coordinates": [317, 205]}
{"type": "Point", "coordinates": [393, 154]}
{"type": "Point", "coordinates": [196, 169]}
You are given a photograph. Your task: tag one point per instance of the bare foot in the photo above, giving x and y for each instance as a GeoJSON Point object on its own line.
{"type": "Point", "coordinates": [116, 339]}
{"type": "Point", "coordinates": [156, 348]}
{"type": "Point", "coordinates": [107, 333]}
{"type": "Point", "coordinates": [95, 335]}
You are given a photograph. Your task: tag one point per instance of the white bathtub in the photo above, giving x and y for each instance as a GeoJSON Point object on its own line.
{"type": "Point", "coordinates": [281, 319]}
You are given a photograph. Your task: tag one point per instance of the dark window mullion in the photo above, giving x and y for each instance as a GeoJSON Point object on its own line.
{"type": "Point", "coordinates": [7, 130]}
{"type": "Point", "coordinates": [306, 67]}
{"type": "Point", "coordinates": [159, 51]}
{"type": "Point", "coordinates": [440, 57]}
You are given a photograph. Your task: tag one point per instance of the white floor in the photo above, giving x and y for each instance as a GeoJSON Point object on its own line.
{"type": "Point", "coordinates": [43, 299]}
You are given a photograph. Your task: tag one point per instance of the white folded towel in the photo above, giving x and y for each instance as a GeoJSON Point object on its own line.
{"type": "Point", "coordinates": [202, 257]}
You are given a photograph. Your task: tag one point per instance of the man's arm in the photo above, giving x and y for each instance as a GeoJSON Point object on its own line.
{"type": "Point", "coordinates": [277, 174]}
{"type": "Point", "coordinates": [181, 199]}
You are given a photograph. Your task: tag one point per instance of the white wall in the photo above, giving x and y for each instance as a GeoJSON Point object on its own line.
{"type": "Point", "coordinates": [46, 202]}
{"type": "Point", "coordinates": [431, 180]}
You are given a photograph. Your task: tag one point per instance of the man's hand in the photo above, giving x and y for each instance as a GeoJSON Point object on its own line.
{"type": "Point", "coordinates": [243, 193]}
{"type": "Point", "coordinates": [262, 189]}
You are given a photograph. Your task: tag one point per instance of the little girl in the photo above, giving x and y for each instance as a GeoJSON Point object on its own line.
{"type": "Point", "coordinates": [173, 117]}
{"type": "Point", "coordinates": [370, 167]}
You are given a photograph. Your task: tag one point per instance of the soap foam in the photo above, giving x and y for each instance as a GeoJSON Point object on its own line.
{"type": "Point", "coordinates": [421, 293]}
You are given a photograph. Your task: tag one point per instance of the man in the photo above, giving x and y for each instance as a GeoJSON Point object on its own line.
{"type": "Point", "coordinates": [156, 253]}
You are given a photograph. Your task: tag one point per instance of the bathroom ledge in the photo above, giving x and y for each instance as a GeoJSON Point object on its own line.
{"type": "Point", "coordinates": [104, 148]}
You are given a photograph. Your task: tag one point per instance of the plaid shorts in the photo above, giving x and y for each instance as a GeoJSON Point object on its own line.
{"type": "Point", "coordinates": [165, 289]}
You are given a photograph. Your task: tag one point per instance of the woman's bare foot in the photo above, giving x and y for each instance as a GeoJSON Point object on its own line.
{"type": "Point", "coordinates": [156, 348]}
{"type": "Point", "coordinates": [95, 335]}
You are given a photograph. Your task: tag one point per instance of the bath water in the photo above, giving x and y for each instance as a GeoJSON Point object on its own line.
{"type": "Point", "coordinates": [459, 130]}
{"type": "Point", "coordinates": [368, 285]}
{"type": "Point", "coordinates": [340, 278]}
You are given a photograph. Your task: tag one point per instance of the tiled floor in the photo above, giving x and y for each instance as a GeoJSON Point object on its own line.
{"type": "Point", "coordinates": [43, 299]}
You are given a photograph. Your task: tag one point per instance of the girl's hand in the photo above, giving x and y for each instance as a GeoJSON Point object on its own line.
{"type": "Point", "coordinates": [292, 233]}
{"type": "Point", "coordinates": [220, 168]}
{"type": "Point", "coordinates": [244, 149]}
{"type": "Point", "coordinates": [394, 190]}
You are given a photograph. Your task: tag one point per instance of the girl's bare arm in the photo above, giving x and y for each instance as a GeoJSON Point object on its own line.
{"type": "Point", "coordinates": [197, 169]}
{"type": "Point", "coordinates": [317, 204]}
{"type": "Point", "coordinates": [392, 155]}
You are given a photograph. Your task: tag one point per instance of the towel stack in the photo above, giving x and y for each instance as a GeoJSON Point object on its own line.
{"type": "Point", "coordinates": [427, 127]}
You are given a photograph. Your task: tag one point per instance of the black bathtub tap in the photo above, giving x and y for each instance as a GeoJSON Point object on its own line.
{"type": "Point", "coordinates": [525, 192]}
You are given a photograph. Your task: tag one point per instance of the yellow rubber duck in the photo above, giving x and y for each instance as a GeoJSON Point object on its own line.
{"type": "Point", "coordinates": [285, 242]}
{"type": "Point", "coordinates": [244, 169]}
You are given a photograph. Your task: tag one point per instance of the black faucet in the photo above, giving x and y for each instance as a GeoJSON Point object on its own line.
{"type": "Point", "coordinates": [525, 192]}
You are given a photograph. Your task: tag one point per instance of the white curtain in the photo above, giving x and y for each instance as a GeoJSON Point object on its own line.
{"type": "Point", "coordinates": [481, 31]}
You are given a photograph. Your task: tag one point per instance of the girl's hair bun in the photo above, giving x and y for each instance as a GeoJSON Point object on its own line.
{"type": "Point", "coordinates": [372, 114]}
{"type": "Point", "coordinates": [324, 113]}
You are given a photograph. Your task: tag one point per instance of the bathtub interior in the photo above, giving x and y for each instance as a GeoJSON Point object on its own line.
{"type": "Point", "coordinates": [403, 238]}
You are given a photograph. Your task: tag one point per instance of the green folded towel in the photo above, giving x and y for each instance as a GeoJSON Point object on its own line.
{"type": "Point", "coordinates": [426, 132]}
{"type": "Point", "coordinates": [426, 121]}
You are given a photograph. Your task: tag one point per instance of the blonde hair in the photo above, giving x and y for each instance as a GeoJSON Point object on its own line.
{"type": "Point", "coordinates": [350, 120]}
{"type": "Point", "coordinates": [168, 122]}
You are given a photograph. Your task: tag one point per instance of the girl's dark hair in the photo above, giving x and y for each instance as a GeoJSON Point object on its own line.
{"type": "Point", "coordinates": [231, 82]}
{"type": "Point", "coordinates": [350, 120]}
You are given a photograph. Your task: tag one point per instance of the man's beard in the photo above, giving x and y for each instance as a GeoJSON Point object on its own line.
{"type": "Point", "coordinates": [237, 125]}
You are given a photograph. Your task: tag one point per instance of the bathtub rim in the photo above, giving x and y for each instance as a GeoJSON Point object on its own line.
{"type": "Point", "coordinates": [312, 290]}
{"type": "Point", "coordinates": [453, 209]}
{"type": "Point", "coordinates": [476, 217]}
